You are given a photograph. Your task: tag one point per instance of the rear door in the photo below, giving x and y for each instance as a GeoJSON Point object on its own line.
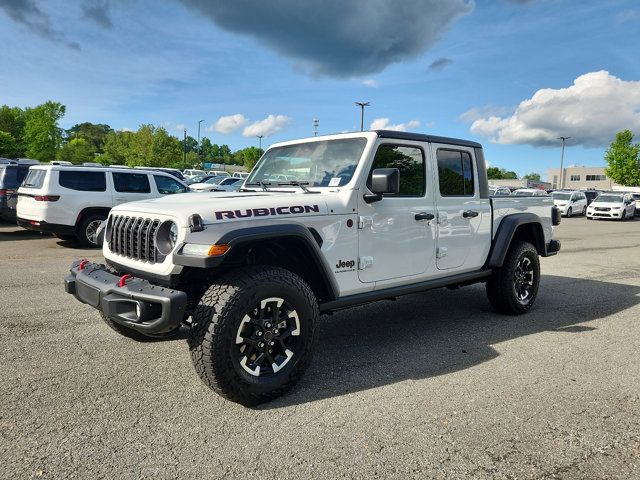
{"type": "Point", "coordinates": [464, 218]}
{"type": "Point", "coordinates": [395, 237]}
{"type": "Point", "coordinates": [129, 187]}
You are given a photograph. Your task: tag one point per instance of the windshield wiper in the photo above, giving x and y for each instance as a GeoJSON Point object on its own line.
{"type": "Point", "coordinates": [259, 183]}
{"type": "Point", "coordinates": [296, 183]}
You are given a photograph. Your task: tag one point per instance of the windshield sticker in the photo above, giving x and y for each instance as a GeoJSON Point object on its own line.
{"type": "Point", "coordinates": [265, 212]}
{"type": "Point", "coordinates": [334, 182]}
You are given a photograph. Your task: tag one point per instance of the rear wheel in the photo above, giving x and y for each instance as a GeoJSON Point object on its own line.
{"type": "Point", "coordinates": [88, 230]}
{"type": "Point", "coordinates": [253, 333]}
{"type": "Point", "coordinates": [513, 288]}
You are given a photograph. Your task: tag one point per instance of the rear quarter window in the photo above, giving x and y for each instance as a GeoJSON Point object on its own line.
{"type": "Point", "coordinates": [34, 178]}
{"type": "Point", "coordinates": [83, 181]}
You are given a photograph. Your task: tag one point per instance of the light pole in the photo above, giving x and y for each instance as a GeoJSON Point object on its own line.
{"type": "Point", "coordinates": [184, 149]}
{"type": "Point", "coordinates": [316, 124]}
{"type": "Point", "coordinates": [199, 122]}
{"type": "Point", "coordinates": [561, 182]}
{"type": "Point", "coordinates": [362, 105]}
{"type": "Point", "coordinates": [260, 143]}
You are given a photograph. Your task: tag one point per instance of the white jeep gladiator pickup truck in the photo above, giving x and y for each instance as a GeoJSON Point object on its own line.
{"type": "Point", "coordinates": [321, 224]}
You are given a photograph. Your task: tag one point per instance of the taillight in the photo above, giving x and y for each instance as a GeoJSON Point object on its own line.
{"type": "Point", "coordinates": [47, 198]}
{"type": "Point", "coordinates": [6, 192]}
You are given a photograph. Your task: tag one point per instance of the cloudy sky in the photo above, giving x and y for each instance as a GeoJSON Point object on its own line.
{"type": "Point", "coordinates": [512, 74]}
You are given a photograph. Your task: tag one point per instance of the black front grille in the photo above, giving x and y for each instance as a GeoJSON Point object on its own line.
{"type": "Point", "coordinates": [603, 209]}
{"type": "Point", "coordinates": [134, 237]}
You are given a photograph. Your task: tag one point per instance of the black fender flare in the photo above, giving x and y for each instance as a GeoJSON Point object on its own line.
{"type": "Point", "coordinates": [237, 237]}
{"type": "Point", "coordinates": [505, 233]}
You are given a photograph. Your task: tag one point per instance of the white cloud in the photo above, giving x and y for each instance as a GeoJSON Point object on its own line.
{"type": "Point", "coordinates": [228, 124]}
{"type": "Point", "coordinates": [266, 127]}
{"type": "Point", "coordinates": [590, 111]}
{"type": "Point", "coordinates": [369, 82]}
{"type": "Point", "coordinates": [385, 124]}
{"type": "Point", "coordinates": [180, 127]}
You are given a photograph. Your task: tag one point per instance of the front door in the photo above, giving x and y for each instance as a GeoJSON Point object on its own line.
{"type": "Point", "coordinates": [396, 238]}
{"type": "Point", "coordinates": [464, 218]}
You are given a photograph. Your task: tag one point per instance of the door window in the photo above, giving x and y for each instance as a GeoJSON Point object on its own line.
{"type": "Point", "coordinates": [131, 182]}
{"type": "Point", "coordinates": [409, 161]}
{"type": "Point", "coordinates": [455, 173]}
{"type": "Point", "coordinates": [168, 185]}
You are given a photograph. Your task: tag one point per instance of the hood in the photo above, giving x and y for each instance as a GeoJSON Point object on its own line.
{"type": "Point", "coordinates": [607, 204]}
{"type": "Point", "coordinates": [217, 207]}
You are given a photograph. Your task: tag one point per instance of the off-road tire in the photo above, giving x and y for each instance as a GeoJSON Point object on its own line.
{"type": "Point", "coordinates": [82, 233]}
{"type": "Point", "coordinates": [501, 286]}
{"type": "Point", "coordinates": [219, 316]}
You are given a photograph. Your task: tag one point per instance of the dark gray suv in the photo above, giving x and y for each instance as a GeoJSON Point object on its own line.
{"type": "Point", "coordinates": [11, 176]}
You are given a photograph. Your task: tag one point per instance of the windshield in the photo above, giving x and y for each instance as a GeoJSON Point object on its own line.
{"type": "Point", "coordinates": [561, 196]}
{"type": "Point", "coordinates": [609, 198]}
{"type": "Point", "coordinates": [329, 163]}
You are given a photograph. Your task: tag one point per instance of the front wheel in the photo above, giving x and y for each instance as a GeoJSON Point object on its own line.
{"type": "Point", "coordinates": [584, 211]}
{"type": "Point", "coordinates": [253, 333]}
{"type": "Point", "coordinates": [569, 212]}
{"type": "Point", "coordinates": [513, 288]}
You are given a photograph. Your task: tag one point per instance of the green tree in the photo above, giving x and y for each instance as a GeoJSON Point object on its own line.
{"type": "Point", "coordinates": [247, 156]}
{"type": "Point", "coordinates": [12, 120]}
{"type": "Point", "coordinates": [94, 133]}
{"type": "Point", "coordinates": [77, 150]}
{"type": "Point", "coordinates": [117, 146]}
{"type": "Point", "coordinates": [623, 158]}
{"type": "Point", "coordinates": [9, 147]}
{"type": "Point", "coordinates": [532, 176]}
{"type": "Point", "coordinates": [495, 173]}
{"type": "Point", "coordinates": [42, 135]}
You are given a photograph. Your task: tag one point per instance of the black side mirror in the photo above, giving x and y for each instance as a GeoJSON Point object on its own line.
{"type": "Point", "coordinates": [384, 181]}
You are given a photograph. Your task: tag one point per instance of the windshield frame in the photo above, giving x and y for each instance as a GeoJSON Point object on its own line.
{"type": "Point", "coordinates": [253, 181]}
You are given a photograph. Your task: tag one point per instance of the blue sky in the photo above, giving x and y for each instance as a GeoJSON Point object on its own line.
{"type": "Point", "coordinates": [447, 68]}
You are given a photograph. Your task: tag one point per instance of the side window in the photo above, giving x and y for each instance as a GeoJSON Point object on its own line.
{"type": "Point", "coordinates": [168, 185]}
{"type": "Point", "coordinates": [83, 181]}
{"type": "Point", "coordinates": [455, 173]}
{"type": "Point", "coordinates": [131, 182]}
{"type": "Point", "coordinates": [409, 161]}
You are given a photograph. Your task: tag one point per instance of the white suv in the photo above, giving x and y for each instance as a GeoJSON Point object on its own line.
{"type": "Point", "coordinates": [619, 206]}
{"type": "Point", "coordinates": [71, 202]}
{"type": "Point", "coordinates": [570, 202]}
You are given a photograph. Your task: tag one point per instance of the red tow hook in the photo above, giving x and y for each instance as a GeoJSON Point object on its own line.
{"type": "Point", "coordinates": [123, 279]}
{"type": "Point", "coordinates": [82, 264]}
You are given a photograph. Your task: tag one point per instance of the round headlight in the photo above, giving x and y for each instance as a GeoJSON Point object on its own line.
{"type": "Point", "coordinates": [166, 237]}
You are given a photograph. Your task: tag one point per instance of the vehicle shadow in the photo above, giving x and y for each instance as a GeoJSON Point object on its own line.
{"type": "Point", "coordinates": [11, 233]}
{"type": "Point", "coordinates": [442, 331]}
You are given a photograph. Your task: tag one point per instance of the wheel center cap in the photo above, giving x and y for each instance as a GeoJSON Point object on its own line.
{"type": "Point", "coordinates": [268, 336]}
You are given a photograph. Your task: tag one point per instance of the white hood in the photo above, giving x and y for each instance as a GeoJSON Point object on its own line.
{"type": "Point", "coordinates": [217, 207]}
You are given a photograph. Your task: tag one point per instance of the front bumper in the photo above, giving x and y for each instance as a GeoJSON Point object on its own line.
{"type": "Point", "coordinates": [137, 304]}
{"type": "Point", "coordinates": [604, 214]}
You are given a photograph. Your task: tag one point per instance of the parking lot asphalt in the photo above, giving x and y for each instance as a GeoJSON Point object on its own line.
{"type": "Point", "coordinates": [433, 385]}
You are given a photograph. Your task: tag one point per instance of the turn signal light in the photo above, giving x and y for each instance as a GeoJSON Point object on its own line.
{"type": "Point", "coordinates": [217, 250]}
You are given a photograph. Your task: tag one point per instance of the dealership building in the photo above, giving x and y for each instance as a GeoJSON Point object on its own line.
{"type": "Point", "coordinates": [580, 178]}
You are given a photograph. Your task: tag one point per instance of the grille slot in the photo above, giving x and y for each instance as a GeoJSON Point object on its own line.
{"type": "Point", "coordinates": [134, 237]}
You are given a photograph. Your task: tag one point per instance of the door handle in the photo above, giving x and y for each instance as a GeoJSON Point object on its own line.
{"type": "Point", "coordinates": [469, 214]}
{"type": "Point", "coordinates": [424, 216]}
